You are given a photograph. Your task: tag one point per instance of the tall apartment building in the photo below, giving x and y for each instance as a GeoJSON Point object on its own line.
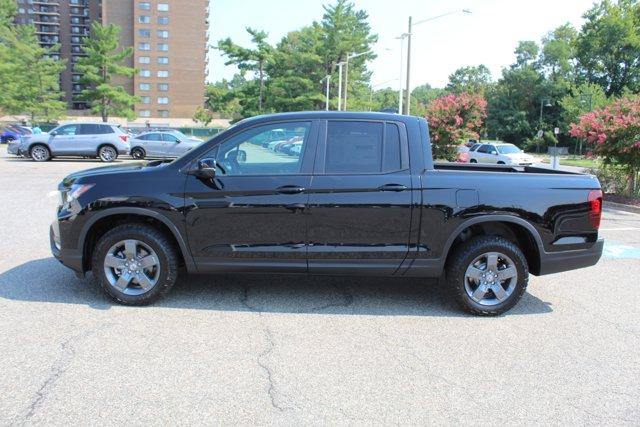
{"type": "Point", "coordinates": [169, 38]}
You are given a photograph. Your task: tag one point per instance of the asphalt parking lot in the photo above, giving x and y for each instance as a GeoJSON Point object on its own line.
{"type": "Point", "coordinates": [295, 350]}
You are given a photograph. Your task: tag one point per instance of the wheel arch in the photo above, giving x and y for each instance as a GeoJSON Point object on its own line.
{"type": "Point", "coordinates": [103, 221]}
{"type": "Point", "coordinates": [513, 228]}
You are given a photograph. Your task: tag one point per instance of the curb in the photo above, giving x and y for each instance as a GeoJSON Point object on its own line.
{"type": "Point", "coordinates": [621, 207]}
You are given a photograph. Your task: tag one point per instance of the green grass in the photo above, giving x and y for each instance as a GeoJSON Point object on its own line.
{"type": "Point", "coordinates": [581, 162]}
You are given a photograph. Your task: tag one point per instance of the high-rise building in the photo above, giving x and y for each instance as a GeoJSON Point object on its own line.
{"type": "Point", "coordinates": [169, 38]}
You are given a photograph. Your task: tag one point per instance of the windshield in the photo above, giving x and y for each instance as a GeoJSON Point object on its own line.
{"type": "Point", "coordinates": [508, 149]}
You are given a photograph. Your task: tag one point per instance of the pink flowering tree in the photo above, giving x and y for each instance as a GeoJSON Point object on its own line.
{"type": "Point", "coordinates": [452, 119]}
{"type": "Point", "coordinates": [613, 132]}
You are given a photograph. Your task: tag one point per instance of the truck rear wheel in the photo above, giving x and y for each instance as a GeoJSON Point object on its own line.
{"type": "Point", "coordinates": [487, 275]}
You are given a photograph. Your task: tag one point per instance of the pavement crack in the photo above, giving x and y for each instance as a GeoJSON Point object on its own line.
{"type": "Point", "coordinates": [66, 354]}
{"type": "Point", "coordinates": [272, 391]}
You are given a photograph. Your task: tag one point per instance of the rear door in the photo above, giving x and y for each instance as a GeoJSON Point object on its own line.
{"type": "Point", "coordinates": [154, 145]}
{"type": "Point", "coordinates": [360, 198]}
{"type": "Point", "coordinates": [87, 139]}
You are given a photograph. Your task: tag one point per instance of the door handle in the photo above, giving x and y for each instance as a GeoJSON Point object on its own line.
{"type": "Point", "coordinates": [290, 189]}
{"type": "Point", "coordinates": [392, 187]}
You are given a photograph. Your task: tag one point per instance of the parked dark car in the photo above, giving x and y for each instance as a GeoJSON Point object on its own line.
{"type": "Point", "coordinates": [363, 197]}
{"type": "Point", "coordinates": [13, 133]}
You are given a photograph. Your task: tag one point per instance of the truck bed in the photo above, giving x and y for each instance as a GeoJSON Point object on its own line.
{"type": "Point", "coordinates": [477, 167]}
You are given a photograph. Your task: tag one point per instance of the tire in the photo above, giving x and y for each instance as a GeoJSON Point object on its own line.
{"type": "Point", "coordinates": [107, 153]}
{"type": "Point", "coordinates": [469, 259]}
{"type": "Point", "coordinates": [111, 253]}
{"type": "Point", "coordinates": [40, 153]}
{"type": "Point", "coordinates": [473, 161]}
{"type": "Point", "coordinates": [138, 153]}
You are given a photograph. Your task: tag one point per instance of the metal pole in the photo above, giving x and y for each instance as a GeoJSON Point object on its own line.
{"type": "Point", "coordinates": [346, 79]}
{"type": "Point", "coordinates": [327, 95]}
{"type": "Point", "coordinates": [540, 123]}
{"type": "Point", "coordinates": [407, 99]}
{"type": "Point", "coordinates": [400, 94]}
{"type": "Point", "coordinates": [370, 97]}
{"type": "Point", "coordinates": [340, 86]}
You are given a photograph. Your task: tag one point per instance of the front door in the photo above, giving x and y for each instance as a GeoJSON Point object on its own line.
{"type": "Point", "coordinates": [64, 142]}
{"type": "Point", "coordinates": [252, 215]}
{"type": "Point", "coordinates": [360, 199]}
{"type": "Point", "coordinates": [154, 145]}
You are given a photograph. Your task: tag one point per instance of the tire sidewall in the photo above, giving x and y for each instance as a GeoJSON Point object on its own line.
{"type": "Point", "coordinates": [42, 147]}
{"type": "Point", "coordinates": [464, 257]}
{"type": "Point", "coordinates": [161, 246]}
{"type": "Point", "coordinates": [107, 147]}
{"type": "Point", "coordinates": [138, 150]}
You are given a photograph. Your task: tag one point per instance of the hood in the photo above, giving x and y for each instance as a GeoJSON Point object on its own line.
{"type": "Point", "coordinates": [107, 170]}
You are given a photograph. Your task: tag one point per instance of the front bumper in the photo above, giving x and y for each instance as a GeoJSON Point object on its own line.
{"type": "Point", "coordinates": [556, 262]}
{"type": "Point", "coordinates": [71, 258]}
{"type": "Point", "coordinates": [14, 148]}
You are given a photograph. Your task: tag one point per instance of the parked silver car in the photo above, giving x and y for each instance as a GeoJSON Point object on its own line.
{"type": "Point", "coordinates": [162, 144]}
{"type": "Point", "coordinates": [103, 141]}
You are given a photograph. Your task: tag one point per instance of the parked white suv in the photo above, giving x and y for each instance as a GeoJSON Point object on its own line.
{"type": "Point", "coordinates": [100, 140]}
{"type": "Point", "coordinates": [501, 153]}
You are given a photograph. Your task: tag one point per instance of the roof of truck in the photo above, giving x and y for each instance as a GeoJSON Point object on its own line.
{"type": "Point", "coordinates": [302, 115]}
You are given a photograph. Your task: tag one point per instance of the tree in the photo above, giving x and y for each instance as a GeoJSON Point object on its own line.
{"type": "Point", "coordinates": [221, 97]}
{"type": "Point", "coordinates": [250, 59]}
{"type": "Point", "coordinates": [29, 73]}
{"type": "Point", "coordinates": [526, 54]}
{"type": "Point", "coordinates": [470, 80]}
{"type": "Point", "coordinates": [614, 133]}
{"type": "Point", "coordinates": [558, 53]}
{"type": "Point", "coordinates": [608, 46]}
{"type": "Point", "coordinates": [581, 99]}
{"type": "Point", "coordinates": [452, 119]}
{"type": "Point", "coordinates": [101, 63]}
{"type": "Point", "coordinates": [203, 115]}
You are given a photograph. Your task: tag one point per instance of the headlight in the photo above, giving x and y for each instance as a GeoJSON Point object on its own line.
{"type": "Point", "coordinates": [76, 191]}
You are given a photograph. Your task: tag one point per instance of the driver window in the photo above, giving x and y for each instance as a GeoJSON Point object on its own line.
{"type": "Point", "coordinates": [67, 130]}
{"type": "Point", "coordinates": [274, 149]}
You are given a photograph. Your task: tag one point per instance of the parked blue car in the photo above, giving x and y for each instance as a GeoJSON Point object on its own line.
{"type": "Point", "coordinates": [13, 132]}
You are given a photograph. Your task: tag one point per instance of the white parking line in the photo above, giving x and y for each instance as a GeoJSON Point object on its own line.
{"type": "Point", "coordinates": [620, 229]}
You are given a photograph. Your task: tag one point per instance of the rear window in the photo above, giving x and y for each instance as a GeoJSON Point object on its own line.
{"type": "Point", "coordinates": [362, 147]}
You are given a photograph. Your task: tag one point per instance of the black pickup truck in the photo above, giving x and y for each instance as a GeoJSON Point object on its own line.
{"type": "Point", "coordinates": [327, 193]}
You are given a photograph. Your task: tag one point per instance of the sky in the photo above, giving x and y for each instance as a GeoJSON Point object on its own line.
{"type": "Point", "coordinates": [487, 36]}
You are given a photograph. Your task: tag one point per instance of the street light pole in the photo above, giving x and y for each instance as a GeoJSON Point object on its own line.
{"type": "Point", "coordinates": [407, 97]}
{"type": "Point", "coordinates": [542, 105]}
{"type": "Point", "coordinates": [328, 79]}
{"type": "Point", "coordinates": [400, 93]}
{"type": "Point", "coordinates": [340, 64]}
{"type": "Point", "coordinates": [346, 75]}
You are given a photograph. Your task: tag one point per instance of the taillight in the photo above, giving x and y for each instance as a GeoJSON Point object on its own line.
{"type": "Point", "coordinates": [124, 138]}
{"type": "Point", "coordinates": [595, 207]}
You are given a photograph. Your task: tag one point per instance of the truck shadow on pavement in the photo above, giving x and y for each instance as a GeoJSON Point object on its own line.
{"type": "Point", "coordinates": [45, 280]}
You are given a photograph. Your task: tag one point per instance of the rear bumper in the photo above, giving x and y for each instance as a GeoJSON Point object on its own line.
{"type": "Point", "coordinates": [556, 262]}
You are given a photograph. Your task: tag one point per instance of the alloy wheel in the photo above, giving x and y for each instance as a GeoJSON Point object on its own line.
{"type": "Point", "coordinates": [132, 267]}
{"type": "Point", "coordinates": [39, 153]}
{"type": "Point", "coordinates": [107, 154]}
{"type": "Point", "coordinates": [490, 278]}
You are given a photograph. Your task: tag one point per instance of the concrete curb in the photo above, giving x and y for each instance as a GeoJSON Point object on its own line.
{"type": "Point", "coordinates": [621, 207]}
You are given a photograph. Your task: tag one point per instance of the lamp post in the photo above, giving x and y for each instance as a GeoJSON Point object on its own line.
{"type": "Point", "coordinates": [408, 33]}
{"type": "Point", "coordinates": [346, 75]}
{"type": "Point", "coordinates": [328, 79]}
{"type": "Point", "coordinates": [544, 102]}
{"type": "Point", "coordinates": [400, 93]}
{"type": "Point", "coordinates": [340, 65]}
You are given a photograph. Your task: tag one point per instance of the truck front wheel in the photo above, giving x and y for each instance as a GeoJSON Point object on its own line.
{"type": "Point", "coordinates": [487, 275]}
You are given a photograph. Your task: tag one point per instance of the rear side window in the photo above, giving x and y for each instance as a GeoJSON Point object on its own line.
{"type": "Point", "coordinates": [362, 147]}
{"type": "Point", "coordinates": [170, 138]}
{"type": "Point", "coordinates": [484, 149]}
{"type": "Point", "coordinates": [104, 129]}
{"type": "Point", "coordinates": [95, 129]}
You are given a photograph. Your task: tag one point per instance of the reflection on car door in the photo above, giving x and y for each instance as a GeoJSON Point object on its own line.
{"type": "Point", "coordinates": [64, 142]}
{"type": "Point", "coordinates": [253, 214]}
{"type": "Point", "coordinates": [360, 198]}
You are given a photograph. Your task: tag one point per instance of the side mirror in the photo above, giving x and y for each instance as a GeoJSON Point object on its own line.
{"type": "Point", "coordinates": [178, 141]}
{"type": "Point", "coordinates": [53, 133]}
{"type": "Point", "coordinates": [495, 153]}
{"type": "Point", "coordinates": [206, 169]}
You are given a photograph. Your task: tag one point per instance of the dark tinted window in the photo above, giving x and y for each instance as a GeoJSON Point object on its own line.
{"type": "Point", "coordinates": [153, 137]}
{"type": "Point", "coordinates": [484, 149]}
{"type": "Point", "coordinates": [89, 129]}
{"type": "Point", "coordinates": [362, 147]}
{"type": "Point", "coordinates": [391, 158]}
{"type": "Point", "coordinates": [104, 129]}
{"type": "Point", "coordinates": [67, 130]}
